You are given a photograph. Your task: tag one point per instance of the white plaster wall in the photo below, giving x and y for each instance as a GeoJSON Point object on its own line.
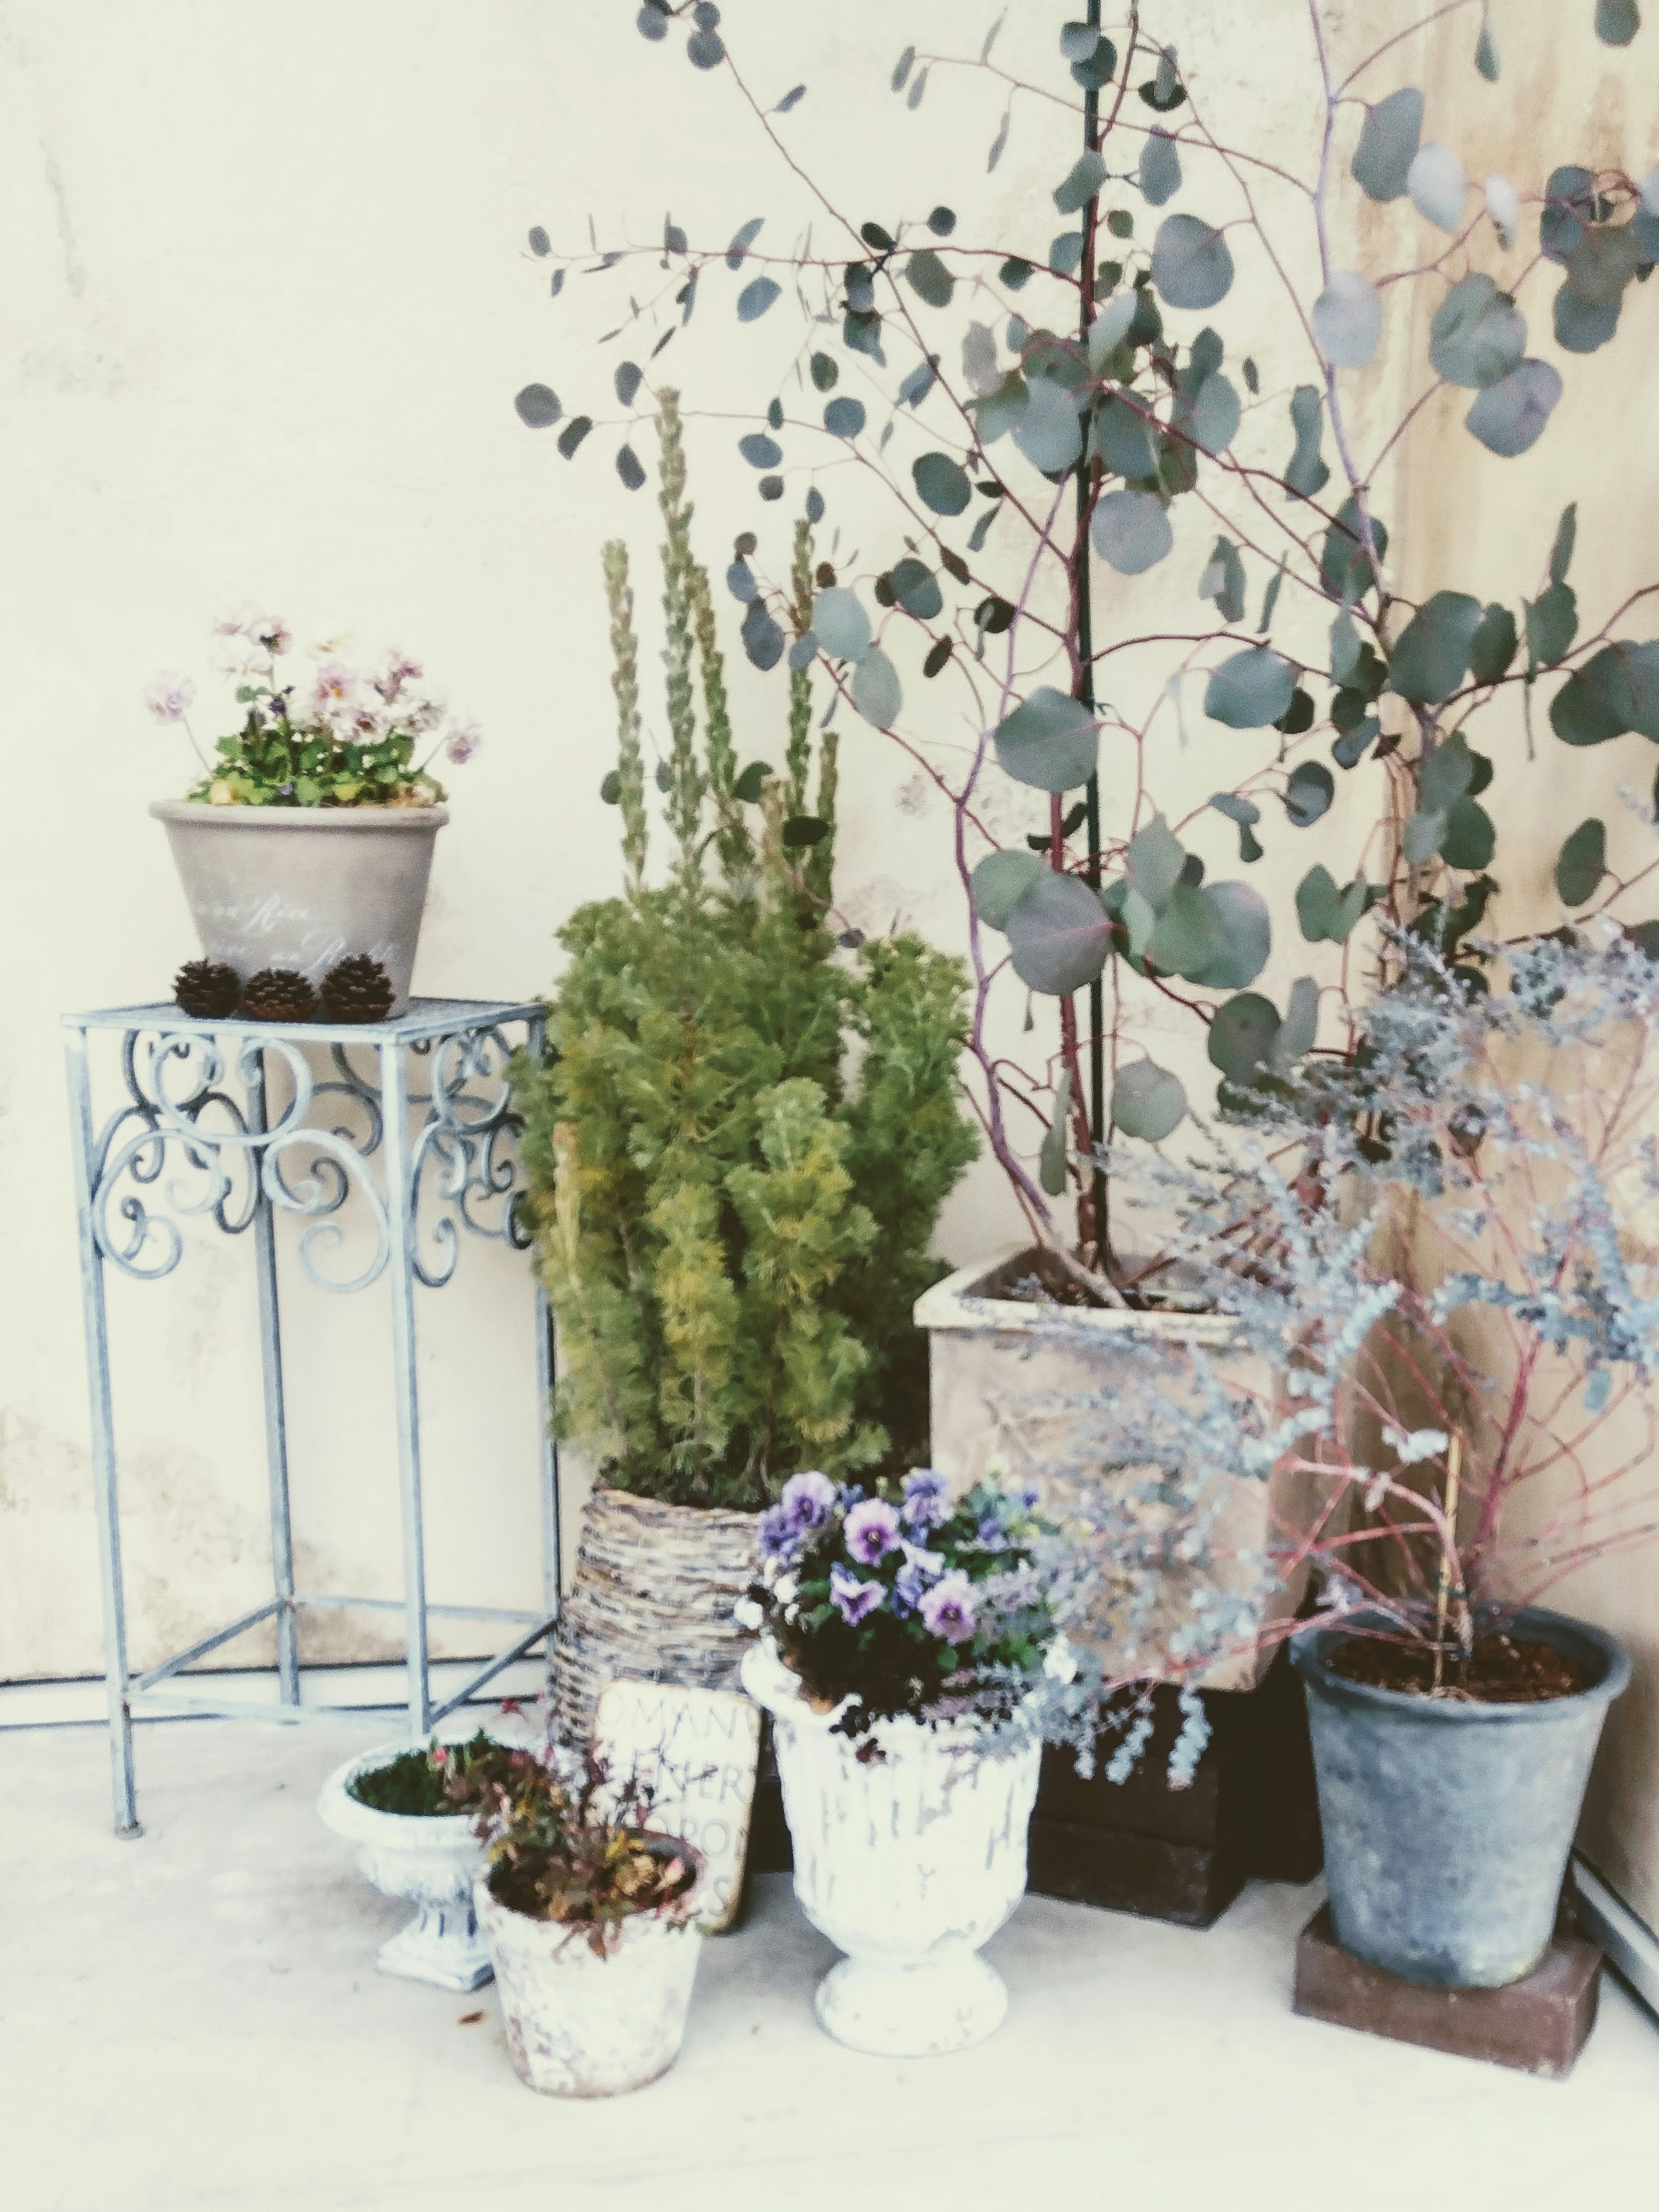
{"type": "Point", "coordinates": [263, 302]}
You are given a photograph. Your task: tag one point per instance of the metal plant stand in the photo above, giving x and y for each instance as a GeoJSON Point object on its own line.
{"type": "Point", "coordinates": [227, 1120]}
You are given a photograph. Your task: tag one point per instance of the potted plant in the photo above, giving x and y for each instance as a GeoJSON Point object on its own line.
{"type": "Point", "coordinates": [906, 1636]}
{"type": "Point", "coordinates": [1452, 1259]}
{"type": "Point", "coordinates": [737, 1145]}
{"type": "Point", "coordinates": [1043, 406]}
{"type": "Point", "coordinates": [307, 838]}
{"type": "Point", "coordinates": [411, 1842]}
{"type": "Point", "coordinates": [590, 1919]}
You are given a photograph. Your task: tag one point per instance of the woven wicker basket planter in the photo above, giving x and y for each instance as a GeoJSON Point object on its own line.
{"type": "Point", "coordinates": [652, 1600]}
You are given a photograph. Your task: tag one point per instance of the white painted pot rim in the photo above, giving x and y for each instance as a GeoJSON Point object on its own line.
{"type": "Point", "coordinates": [772, 1684]}
{"type": "Point", "coordinates": [341, 818]}
{"type": "Point", "coordinates": [679, 1912]}
{"type": "Point", "coordinates": [366, 1824]}
{"type": "Point", "coordinates": [958, 1304]}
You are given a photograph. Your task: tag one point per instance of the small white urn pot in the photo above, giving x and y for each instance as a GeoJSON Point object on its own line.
{"type": "Point", "coordinates": [907, 1864]}
{"type": "Point", "coordinates": [431, 1859]}
{"type": "Point", "coordinates": [582, 2025]}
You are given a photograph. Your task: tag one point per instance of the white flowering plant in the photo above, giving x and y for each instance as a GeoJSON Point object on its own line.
{"type": "Point", "coordinates": [895, 1600]}
{"type": "Point", "coordinates": [330, 736]}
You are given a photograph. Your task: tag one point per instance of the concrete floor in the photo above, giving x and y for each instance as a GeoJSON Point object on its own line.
{"type": "Point", "coordinates": [193, 2023]}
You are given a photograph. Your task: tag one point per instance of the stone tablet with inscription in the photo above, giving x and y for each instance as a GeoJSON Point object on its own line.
{"type": "Point", "coordinates": [699, 1750]}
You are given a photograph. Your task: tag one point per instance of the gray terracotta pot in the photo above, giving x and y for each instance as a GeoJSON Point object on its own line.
{"type": "Point", "coordinates": [1448, 1826]}
{"type": "Point", "coordinates": [305, 887]}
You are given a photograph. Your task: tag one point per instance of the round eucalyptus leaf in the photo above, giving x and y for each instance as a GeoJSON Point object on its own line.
{"type": "Point", "coordinates": [750, 785]}
{"type": "Point", "coordinates": [1059, 934]}
{"type": "Point", "coordinates": [1122, 439]}
{"type": "Point", "coordinates": [1148, 1101]}
{"type": "Point", "coordinates": [1388, 144]}
{"type": "Point", "coordinates": [538, 406]}
{"type": "Point", "coordinates": [1431, 654]}
{"type": "Point", "coordinates": [770, 488]}
{"type": "Point", "coordinates": [1192, 266]}
{"type": "Point", "coordinates": [1471, 835]}
{"type": "Point", "coordinates": [803, 652]}
{"type": "Point", "coordinates": [1345, 570]}
{"type": "Point", "coordinates": [1299, 1031]}
{"type": "Point", "coordinates": [1051, 742]}
{"type": "Point", "coordinates": [1109, 328]}
{"type": "Point", "coordinates": [980, 365]}
{"type": "Point", "coordinates": [1250, 690]}
{"type": "Point", "coordinates": [610, 789]}
{"type": "Point", "coordinates": [1047, 431]}
{"type": "Point", "coordinates": [1216, 414]}
{"type": "Point", "coordinates": [1617, 21]}
{"type": "Point", "coordinates": [742, 240]}
{"type": "Point", "coordinates": [1615, 690]}
{"type": "Point", "coordinates": [1160, 168]}
{"type": "Point", "coordinates": [740, 581]}
{"type": "Point", "coordinates": [1190, 939]}
{"type": "Point", "coordinates": [1486, 52]}
{"type": "Point", "coordinates": [1603, 261]}
{"type": "Point", "coordinates": [1245, 927]}
{"type": "Point", "coordinates": [1131, 531]}
{"type": "Point", "coordinates": [755, 297]}
{"type": "Point", "coordinates": [929, 279]}
{"type": "Point", "coordinates": [1582, 325]}
{"type": "Point", "coordinates": [1509, 417]}
{"type": "Point", "coordinates": [760, 451]}
{"type": "Point", "coordinates": [940, 484]}
{"type": "Point", "coordinates": [1492, 646]}
{"type": "Point", "coordinates": [1569, 210]}
{"type": "Point", "coordinates": [1082, 181]}
{"type": "Point", "coordinates": [1307, 472]}
{"type": "Point", "coordinates": [1478, 334]}
{"type": "Point", "coordinates": [844, 417]}
{"type": "Point", "coordinates": [652, 22]}
{"type": "Point", "coordinates": [804, 829]}
{"type": "Point", "coordinates": [942, 222]}
{"type": "Point", "coordinates": [916, 588]}
{"type": "Point", "coordinates": [1309, 794]}
{"type": "Point", "coordinates": [877, 692]}
{"type": "Point", "coordinates": [814, 505]}
{"type": "Point", "coordinates": [1582, 863]}
{"type": "Point", "coordinates": [1000, 881]}
{"type": "Point", "coordinates": [826, 371]}
{"type": "Point", "coordinates": [704, 50]}
{"type": "Point", "coordinates": [628, 468]}
{"type": "Point", "coordinates": [762, 641]}
{"type": "Point", "coordinates": [841, 626]}
{"type": "Point", "coordinates": [1347, 319]}
{"type": "Point", "coordinates": [1437, 185]}
{"type": "Point", "coordinates": [1242, 1037]}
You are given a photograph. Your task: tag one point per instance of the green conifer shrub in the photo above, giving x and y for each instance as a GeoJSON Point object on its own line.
{"type": "Point", "coordinates": [740, 1137]}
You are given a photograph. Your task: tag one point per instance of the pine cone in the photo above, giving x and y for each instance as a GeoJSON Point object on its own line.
{"type": "Point", "coordinates": [358, 990]}
{"type": "Point", "coordinates": [278, 994]}
{"type": "Point", "coordinates": [207, 989]}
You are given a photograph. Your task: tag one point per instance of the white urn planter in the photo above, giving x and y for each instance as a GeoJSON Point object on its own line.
{"type": "Point", "coordinates": [305, 887]}
{"type": "Point", "coordinates": [907, 1864]}
{"type": "Point", "coordinates": [1005, 1376]}
{"type": "Point", "coordinates": [431, 1859]}
{"type": "Point", "coordinates": [579, 2024]}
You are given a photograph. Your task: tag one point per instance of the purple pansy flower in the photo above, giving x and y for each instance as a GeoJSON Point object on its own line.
{"type": "Point", "coordinates": [915, 1577]}
{"type": "Point", "coordinates": [851, 1597]}
{"type": "Point", "coordinates": [1028, 1494]}
{"type": "Point", "coordinates": [925, 1502]}
{"type": "Point", "coordinates": [990, 1533]}
{"type": "Point", "coordinates": [871, 1530]}
{"type": "Point", "coordinates": [779, 1537]}
{"type": "Point", "coordinates": [808, 1501]}
{"type": "Point", "coordinates": [948, 1608]}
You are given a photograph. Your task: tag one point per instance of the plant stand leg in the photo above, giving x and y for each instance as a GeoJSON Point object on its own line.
{"type": "Point", "coordinates": [920, 2010]}
{"type": "Point", "coordinates": [112, 1586]}
{"type": "Point", "coordinates": [399, 1202]}
{"type": "Point", "coordinates": [443, 1944]}
{"type": "Point", "coordinates": [270, 1364]}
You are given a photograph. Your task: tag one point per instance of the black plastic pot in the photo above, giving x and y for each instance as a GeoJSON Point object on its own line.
{"type": "Point", "coordinates": [1448, 1825]}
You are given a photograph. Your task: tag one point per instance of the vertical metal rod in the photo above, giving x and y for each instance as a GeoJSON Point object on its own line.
{"type": "Point", "coordinates": [547, 1356]}
{"type": "Point", "coordinates": [394, 1106]}
{"type": "Point", "coordinates": [112, 1589]}
{"type": "Point", "coordinates": [1092, 791]}
{"type": "Point", "coordinates": [270, 1364]}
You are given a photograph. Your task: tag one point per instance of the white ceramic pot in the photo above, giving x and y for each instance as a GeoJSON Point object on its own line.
{"type": "Point", "coordinates": [907, 1864]}
{"type": "Point", "coordinates": [432, 1860]}
{"type": "Point", "coordinates": [579, 2025]}
{"type": "Point", "coordinates": [305, 887]}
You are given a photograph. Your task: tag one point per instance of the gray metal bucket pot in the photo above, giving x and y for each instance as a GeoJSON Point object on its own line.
{"type": "Point", "coordinates": [1448, 1826]}
{"type": "Point", "coordinates": [305, 887]}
